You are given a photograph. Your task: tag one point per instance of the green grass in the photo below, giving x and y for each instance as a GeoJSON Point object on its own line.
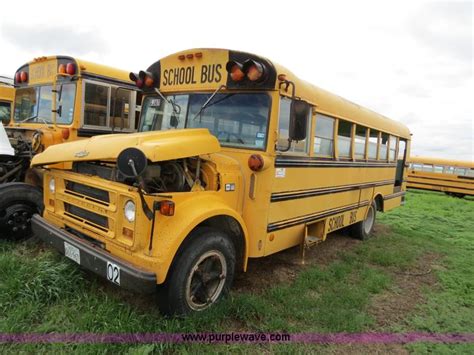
{"type": "Point", "coordinates": [40, 291]}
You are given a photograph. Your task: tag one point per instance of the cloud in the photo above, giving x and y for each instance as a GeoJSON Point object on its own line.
{"type": "Point", "coordinates": [53, 39]}
{"type": "Point", "coordinates": [445, 28]}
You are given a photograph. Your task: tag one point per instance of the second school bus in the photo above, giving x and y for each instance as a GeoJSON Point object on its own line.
{"type": "Point", "coordinates": [454, 177]}
{"type": "Point", "coordinates": [7, 95]}
{"type": "Point", "coordinates": [58, 99]}
{"type": "Point", "coordinates": [237, 158]}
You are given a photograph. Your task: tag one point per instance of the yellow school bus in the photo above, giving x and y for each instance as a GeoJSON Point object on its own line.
{"type": "Point", "coordinates": [58, 99]}
{"type": "Point", "coordinates": [7, 95]}
{"type": "Point", "coordinates": [236, 158]}
{"type": "Point", "coordinates": [455, 178]}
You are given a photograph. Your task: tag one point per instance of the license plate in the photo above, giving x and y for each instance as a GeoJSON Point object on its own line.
{"type": "Point", "coordinates": [113, 273]}
{"type": "Point", "coordinates": [72, 252]}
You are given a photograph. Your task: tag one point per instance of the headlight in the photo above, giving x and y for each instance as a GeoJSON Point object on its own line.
{"type": "Point", "coordinates": [52, 185]}
{"type": "Point", "coordinates": [129, 211]}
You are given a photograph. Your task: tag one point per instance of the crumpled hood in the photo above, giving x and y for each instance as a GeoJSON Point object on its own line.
{"type": "Point", "coordinates": [157, 146]}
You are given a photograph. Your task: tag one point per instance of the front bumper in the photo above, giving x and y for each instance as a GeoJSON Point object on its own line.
{"type": "Point", "coordinates": [94, 258]}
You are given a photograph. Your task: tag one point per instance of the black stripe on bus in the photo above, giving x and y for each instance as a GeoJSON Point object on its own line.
{"type": "Point", "coordinates": [312, 217]}
{"type": "Point", "coordinates": [439, 185]}
{"type": "Point", "coordinates": [107, 79]}
{"type": "Point", "coordinates": [281, 162]}
{"type": "Point", "coordinates": [435, 178]}
{"type": "Point", "coordinates": [396, 194]}
{"type": "Point", "coordinates": [297, 194]}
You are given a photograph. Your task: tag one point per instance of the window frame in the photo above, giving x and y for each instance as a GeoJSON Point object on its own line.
{"type": "Point", "coordinates": [334, 135]}
{"type": "Point", "coordinates": [308, 149]}
{"type": "Point", "coordinates": [108, 127]}
{"type": "Point", "coordinates": [350, 156]}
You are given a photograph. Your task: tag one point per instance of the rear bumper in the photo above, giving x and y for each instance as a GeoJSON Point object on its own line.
{"type": "Point", "coordinates": [94, 258]}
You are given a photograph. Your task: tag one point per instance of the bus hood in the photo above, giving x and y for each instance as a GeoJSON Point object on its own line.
{"type": "Point", "coordinates": [157, 146]}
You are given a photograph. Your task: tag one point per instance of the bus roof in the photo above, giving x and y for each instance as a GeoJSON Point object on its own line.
{"type": "Point", "coordinates": [334, 105]}
{"type": "Point", "coordinates": [324, 101]}
{"type": "Point", "coordinates": [83, 67]}
{"type": "Point", "coordinates": [439, 161]}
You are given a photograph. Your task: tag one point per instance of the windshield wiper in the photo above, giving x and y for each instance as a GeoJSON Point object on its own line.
{"type": "Point", "coordinates": [176, 107]}
{"type": "Point", "coordinates": [208, 100]}
{"type": "Point", "coordinates": [29, 118]}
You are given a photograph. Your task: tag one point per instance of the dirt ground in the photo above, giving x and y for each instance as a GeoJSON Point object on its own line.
{"type": "Point", "coordinates": [283, 267]}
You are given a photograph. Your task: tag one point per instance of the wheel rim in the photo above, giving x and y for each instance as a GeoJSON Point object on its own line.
{"type": "Point", "coordinates": [206, 280]}
{"type": "Point", "coordinates": [369, 220]}
{"type": "Point", "coordinates": [17, 219]}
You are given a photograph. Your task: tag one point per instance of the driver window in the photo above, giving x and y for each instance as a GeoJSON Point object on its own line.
{"type": "Point", "coordinates": [283, 129]}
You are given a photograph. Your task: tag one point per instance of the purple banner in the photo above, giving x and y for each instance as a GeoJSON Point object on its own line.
{"type": "Point", "coordinates": [246, 338]}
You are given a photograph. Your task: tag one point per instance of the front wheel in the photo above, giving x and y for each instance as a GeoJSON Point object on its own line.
{"type": "Point", "coordinates": [18, 203]}
{"type": "Point", "coordinates": [200, 276]}
{"type": "Point", "coordinates": [362, 230]}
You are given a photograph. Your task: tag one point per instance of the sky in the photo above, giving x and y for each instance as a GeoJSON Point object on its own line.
{"type": "Point", "coordinates": [411, 61]}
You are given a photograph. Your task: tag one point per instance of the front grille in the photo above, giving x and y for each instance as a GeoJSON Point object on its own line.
{"type": "Point", "coordinates": [87, 217]}
{"type": "Point", "coordinates": [88, 192]}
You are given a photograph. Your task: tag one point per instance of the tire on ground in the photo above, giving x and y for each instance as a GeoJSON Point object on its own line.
{"type": "Point", "coordinates": [201, 274]}
{"type": "Point", "coordinates": [362, 230]}
{"type": "Point", "coordinates": [18, 203]}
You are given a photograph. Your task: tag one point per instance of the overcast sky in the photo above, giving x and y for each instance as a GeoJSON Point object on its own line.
{"type": "Point", "coordinates": [411, 61]}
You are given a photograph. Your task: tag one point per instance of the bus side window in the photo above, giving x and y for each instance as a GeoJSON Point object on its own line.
{"type": "Point", "coordinates": [383, 147]}
{"type": "Point", "coordinates": [393, 148]}
{"type": "Point", "coordinates": [470, 172]}
{"type": "Point", "coordinates": [324, 136]}
{"type": "Point", "coordinates": [428, 168]}
{"type": "Point", "coordinates": [120, 109]}
{"type": "Point", "coordinates": [360, 142]}
{"type": "Point", "coordinates": [460, 171]}
{"type": "Point", "coordinates": [373, 142]}
{"type": "Point", "coordinates": [417, 167]}
{"type": "Point", "coordinates": [283, 129]}
{"type": "Point", "coordinates": [344, 139]}
{"type": "Point", "coordinates": [449, 170]}
{"type": "Point", "coordinates": [438, 169]}
{"type": "Point", "coordinates": [5, 111]}
{"type": "Point", "coordinates": [96, 99]}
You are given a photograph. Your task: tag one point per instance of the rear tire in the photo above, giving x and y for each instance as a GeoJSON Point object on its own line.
{"type": "Point", "coordinates": [201, 274]}
{"type": "Point", "coordinates": [362, 230]}
{"type": "Point", "coordinates": [18, 203]}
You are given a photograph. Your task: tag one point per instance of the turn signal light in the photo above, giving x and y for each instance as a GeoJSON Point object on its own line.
{"type": "Point", "coordinates": [167, 208]}
{"type": "Point", "coordinates": [136, 78]}
{"type": "Point", "coordinates": [149, 81]}
{"type": "Point", "coordinates": [70, 68]}
{"type": "Point", "coordinates": [147, 78]}
{"type": "Point", "coordinates": [62, 69]}
{"type": "Point", "coordinates": [21, 77]}
{"type": "Point", "coordinates": [235, 70]}
{"type": "Point", "coordinates": [256, 162]}
{"type": "Point", "coordinates": [65, 133]}
{"type": "Point", "coordinates": [253, 69]}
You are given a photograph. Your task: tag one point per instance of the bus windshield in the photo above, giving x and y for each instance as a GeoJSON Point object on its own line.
{"type": "Point", "coordinates": [34, 104]}
{"type": "Point", "coordinates": [236, 119]}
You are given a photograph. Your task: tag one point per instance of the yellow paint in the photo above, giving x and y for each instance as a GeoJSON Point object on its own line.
{"type": "Point", "coordinates": [157, 146]}
{"type": "Point", "coordinates": [43, 72]}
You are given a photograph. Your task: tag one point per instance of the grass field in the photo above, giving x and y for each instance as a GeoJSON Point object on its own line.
{"type": "Point", "coordinates": [415, 274]}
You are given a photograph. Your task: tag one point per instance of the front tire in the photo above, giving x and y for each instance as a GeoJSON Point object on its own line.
{"type": "Point", "coordinates": [18, 203]}
{"type": "Point", "coordinates": [362, 230]}
{"type": "Point", "coordinates": [201, 274]}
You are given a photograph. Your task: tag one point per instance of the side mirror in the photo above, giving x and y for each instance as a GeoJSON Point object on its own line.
{"type": "Point", "coordinates": [131, 162]}
{"type": "Point", "coordinates": [299, 112]}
